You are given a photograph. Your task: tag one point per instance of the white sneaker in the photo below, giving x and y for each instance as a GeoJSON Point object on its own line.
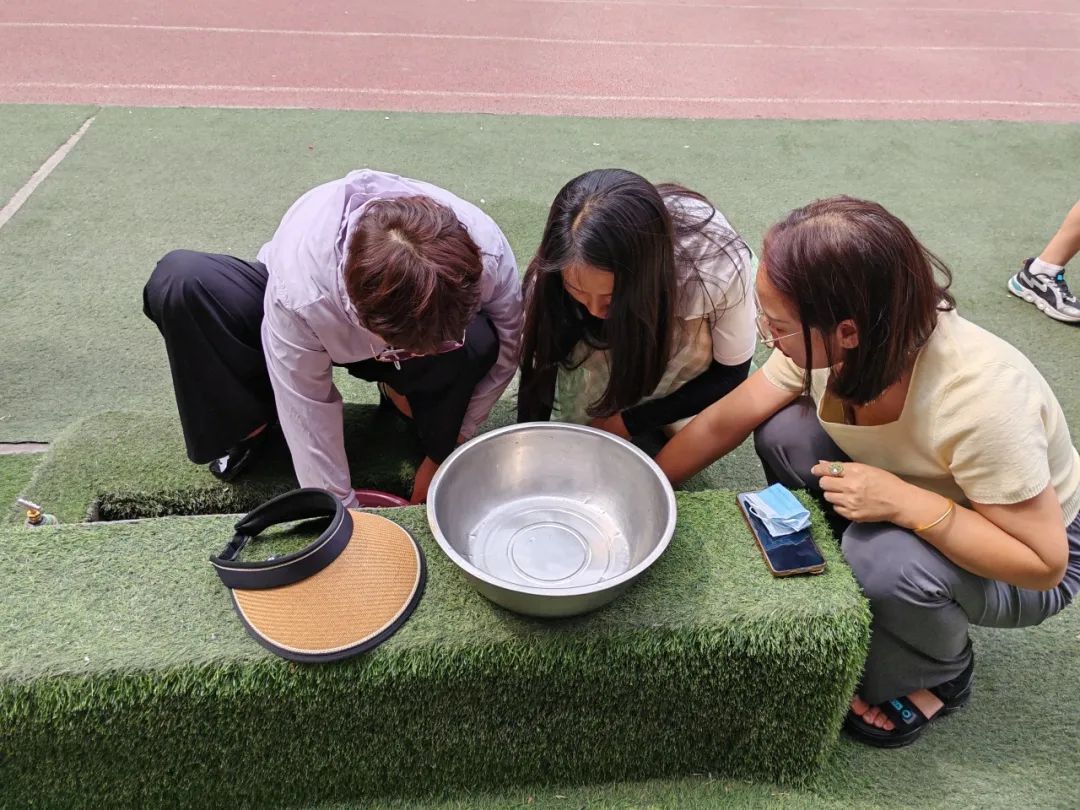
{"type": "Point", "coordinates": [1049, 293]}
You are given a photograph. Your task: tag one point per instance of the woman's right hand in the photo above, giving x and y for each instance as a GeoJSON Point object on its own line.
{"type": "Point", "coordinates": [722, 427]}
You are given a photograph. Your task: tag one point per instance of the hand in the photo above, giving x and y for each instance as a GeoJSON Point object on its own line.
{"type": "Point", "coordinates": [424, 473]}
{"type": "Point", "coordinates": [612, 424]}
{"type": "Point", "coordinates": [861, 493]}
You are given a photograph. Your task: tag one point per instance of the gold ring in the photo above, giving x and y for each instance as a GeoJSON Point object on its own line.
{"type": "Point", "coordinates": [836, 468]}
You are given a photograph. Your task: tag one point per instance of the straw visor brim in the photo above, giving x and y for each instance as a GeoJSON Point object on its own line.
{"type": "Point", "coordinates": [352, 605]}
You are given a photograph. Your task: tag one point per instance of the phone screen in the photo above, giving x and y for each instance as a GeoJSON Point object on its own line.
{"type": "Point", "coordinates": [789, 553]}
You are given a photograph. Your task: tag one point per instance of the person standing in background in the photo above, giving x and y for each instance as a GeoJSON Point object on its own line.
{"type": "Point", "coordinates": [1041, 281]}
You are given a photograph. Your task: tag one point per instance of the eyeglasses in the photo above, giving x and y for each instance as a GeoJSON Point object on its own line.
{"type": "Point", "coordinates": [765, 330]}
{"type": "Point", "coordinates": [397, 356]}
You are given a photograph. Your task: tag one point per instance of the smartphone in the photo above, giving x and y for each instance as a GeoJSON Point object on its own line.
{"type": "Point", "coordinates": [787, 555]}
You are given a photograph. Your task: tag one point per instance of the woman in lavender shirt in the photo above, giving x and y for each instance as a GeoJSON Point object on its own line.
{"type": "Point", "coordinates": [398, 281]}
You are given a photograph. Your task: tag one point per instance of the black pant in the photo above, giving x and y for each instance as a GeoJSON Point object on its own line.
{"type": "Point", "coordinates": [209, 309]}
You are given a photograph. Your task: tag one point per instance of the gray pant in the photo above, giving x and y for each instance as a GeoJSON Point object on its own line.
{"type": "Point", "coordinates": [922, 603]}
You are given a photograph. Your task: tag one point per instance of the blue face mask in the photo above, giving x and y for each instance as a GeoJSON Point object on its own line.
{"type": "Point", "coordinates": [778, 509]}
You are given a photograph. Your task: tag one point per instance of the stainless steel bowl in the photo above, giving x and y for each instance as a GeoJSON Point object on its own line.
{"type": "Point", "coordinates": [551, 519]}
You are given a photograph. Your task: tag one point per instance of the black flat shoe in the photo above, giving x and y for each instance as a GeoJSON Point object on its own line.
{"type": "Point", "coordinates": [239, 458]}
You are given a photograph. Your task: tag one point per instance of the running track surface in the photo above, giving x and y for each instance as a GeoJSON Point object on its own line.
{"type": "Point", "coordinates": [932, 59]}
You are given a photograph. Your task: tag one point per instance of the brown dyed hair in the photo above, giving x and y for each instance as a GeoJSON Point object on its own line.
{"type": "Point", "coordinates": [843, 258]}
{"type": "Point", "coordinates": [413, 273]}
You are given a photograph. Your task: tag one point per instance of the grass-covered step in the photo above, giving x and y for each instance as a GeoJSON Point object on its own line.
{"type": "Point", "coordinates": [120, 465]}
{"type": "Point", "coordinates": [125, 677]}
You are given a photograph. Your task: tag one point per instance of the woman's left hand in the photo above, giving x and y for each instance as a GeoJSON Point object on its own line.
{"type": "Point", "coordinates": [859, 492]}
{"type": "Point", "coordinates": [612, 424]}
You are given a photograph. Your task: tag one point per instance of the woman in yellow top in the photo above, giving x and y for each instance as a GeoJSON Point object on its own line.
{"type": "Point", "coordinates": [941, 444]}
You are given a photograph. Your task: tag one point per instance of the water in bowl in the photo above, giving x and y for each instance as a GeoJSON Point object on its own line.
{"type": "Point", "coordinates": [549, 542]}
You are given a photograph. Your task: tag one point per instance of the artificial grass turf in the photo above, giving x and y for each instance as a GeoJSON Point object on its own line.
{"type": "Point", "coordinates": [1015, 746]}
{"type": "Point", "coordinates": [121, 465]}
{"type": "Point", "coordinates": [30, 134]}
{"type": "Point", "coordinates": [981, 194]}
{"type": "Point", "coordinates": [15, 473]}
{"type": "Point", "coordinates": [125, 678]}
{"type": "Point", "coordinates": [72, 263]}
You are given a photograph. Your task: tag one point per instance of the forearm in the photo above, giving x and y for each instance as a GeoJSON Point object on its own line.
{"type": "Point", "coordinates": [313, 425]}
{"type": "Point", "coordinates": [975, 543]}
{"type": "Point", "coordinates": [502, 309]}
{"type": "Point", "coordinates": [505, 318]}
{"type": "Point", "coordinates": [711, 435]}
{"type": "Point", "coordinates": [317, 446]}
{"type": "Point", "coordinates": [536, 396]}
{"type": "Point", "coordinates": [695, 396]}
{"type": "Point", "coordinates": [486, 394]}
{"type": "Point", "coordinates": [309, 405]}
{"type": "Point", "coordinates": [722, 427]}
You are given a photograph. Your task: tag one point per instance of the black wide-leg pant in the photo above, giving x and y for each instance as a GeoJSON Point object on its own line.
{"type": "Point", "coordinates": [209, 309]}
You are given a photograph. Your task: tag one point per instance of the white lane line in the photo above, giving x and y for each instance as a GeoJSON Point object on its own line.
{"type": "Point", "coordinates": [46, 168]}
{"type": "Point", "coordinates": [778, 7]}
{"type": "Point", "coordinates": [381, 91]}
{"type": "Point", "coordinates": [629, 43]}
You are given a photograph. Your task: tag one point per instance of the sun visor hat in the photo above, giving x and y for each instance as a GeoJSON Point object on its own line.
{"type": "Point", "coordinates": [345, 593]}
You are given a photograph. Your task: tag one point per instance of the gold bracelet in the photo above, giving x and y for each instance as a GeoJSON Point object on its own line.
{"type": "Point", "coordinates": [928, 526]}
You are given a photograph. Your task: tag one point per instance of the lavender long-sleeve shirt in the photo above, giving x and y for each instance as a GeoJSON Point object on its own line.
{"type": "Point", "coordinates": [310, 324]}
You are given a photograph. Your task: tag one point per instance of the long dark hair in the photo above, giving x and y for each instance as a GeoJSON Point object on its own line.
{"type": "Point", "coordinates": [617, 221]}
{"type": "Point", "coordinates": [843, 258]}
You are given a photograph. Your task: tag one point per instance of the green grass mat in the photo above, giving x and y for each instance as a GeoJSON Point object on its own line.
{"type": "Point", "coordinates": [121, 465]}
{"type": "Point", "coordinates": [72, 264]}
{"type": "Point", "coordinates": [981, 194]}
{"type": "Point", "coordinates": [30, 134]}
{"type": "Point", "coordinates": [1014, 746]}
{"type": "Point", "coordinates": [125, 678]}
{"type": "Point", "coordinates": [15, 473]}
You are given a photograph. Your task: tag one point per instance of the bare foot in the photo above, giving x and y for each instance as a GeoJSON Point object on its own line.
{"type": "Point", "coordinates": [926, 701]}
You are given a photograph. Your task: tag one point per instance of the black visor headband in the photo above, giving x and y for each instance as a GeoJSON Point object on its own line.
{"type": "Point", "coordinates": [300, 504]}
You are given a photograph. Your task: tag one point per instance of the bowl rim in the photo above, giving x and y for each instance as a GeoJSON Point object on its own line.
{"type": "Point", "coordinates": [581, 590]}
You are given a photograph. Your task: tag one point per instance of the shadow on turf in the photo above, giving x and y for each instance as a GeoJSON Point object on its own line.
{"type": "Point", "coordinates": [386, 444]}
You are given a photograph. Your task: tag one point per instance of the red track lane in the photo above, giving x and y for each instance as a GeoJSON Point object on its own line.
{"type": "Point", "coordinates": [942, 6]}
{"type": "Point", "coordinates": [888, 28]}
{"type": "Point", "coordinates": [205, 11]}
{"type": "Point", "coordinates": [741, 62]}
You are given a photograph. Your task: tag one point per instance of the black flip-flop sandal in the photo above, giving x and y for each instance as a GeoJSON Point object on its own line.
{"type": "Point", "coordinates": [908, 721]}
